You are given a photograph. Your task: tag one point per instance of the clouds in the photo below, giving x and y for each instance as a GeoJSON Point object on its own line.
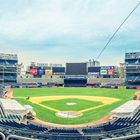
{"type": "Point", "coordinates": [65, 28]}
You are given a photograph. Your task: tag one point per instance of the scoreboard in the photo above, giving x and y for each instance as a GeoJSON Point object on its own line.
{"type": "Point", "coordinates": [76, 68]}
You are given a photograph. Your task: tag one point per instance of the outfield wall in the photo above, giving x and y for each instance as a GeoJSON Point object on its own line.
{"type": "Point", "coordinates": [59, 79]}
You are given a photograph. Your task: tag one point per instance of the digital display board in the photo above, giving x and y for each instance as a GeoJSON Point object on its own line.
{"type": "Point", "coordinates": [103, 72]}
{"type": "Point", "coordinates": [58, 70]}
{"type": "Point", "coordinates": [48, 72]}
{"type": "Point", "coordinates": [41, 71]}
{"type": "Point", "coordinates": [107, 70]}
{"type": "Point", "coordinates": [76, 68]}
{"type": "Point", "coordinates": [33, 71]}
{"type": "Point", "coordinates": [110, 72]}
{"type": "Point", "coordinates": [94, 70]}
{"type": "Point", "coordinates": [107, 67]}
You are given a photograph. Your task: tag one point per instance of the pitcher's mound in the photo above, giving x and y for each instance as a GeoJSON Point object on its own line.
{"type": "Point", "coordinates": [71, 103]}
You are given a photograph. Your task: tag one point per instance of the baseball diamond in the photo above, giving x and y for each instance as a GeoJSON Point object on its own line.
{"type": "Point", "coordinates": [91, 104]}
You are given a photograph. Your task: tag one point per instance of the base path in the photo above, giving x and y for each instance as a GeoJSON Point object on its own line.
{"type": "Point", "coordinates": [50, 108]}
{"type": "Point", "coordinates": [104, 100]}
{"type": "Point", "coordinates": [137, 95]}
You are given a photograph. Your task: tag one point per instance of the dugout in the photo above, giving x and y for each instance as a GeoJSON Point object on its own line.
{"type": "Point", "coordinates": [75, 82]}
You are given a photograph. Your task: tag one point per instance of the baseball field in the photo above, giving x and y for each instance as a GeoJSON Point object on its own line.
{"type": "Point", "coordinates": [89, 104]}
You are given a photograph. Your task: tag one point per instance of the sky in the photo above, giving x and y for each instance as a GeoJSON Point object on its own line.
{"type": "Point", "coordinates": [60, 31]}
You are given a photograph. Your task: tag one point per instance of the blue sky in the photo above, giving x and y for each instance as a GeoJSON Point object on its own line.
{"type": "Point", "coordinates": [59, 31]}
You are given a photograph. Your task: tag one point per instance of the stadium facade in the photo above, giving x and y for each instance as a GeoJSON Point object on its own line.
{"type": "Point", "coordinates": [74, 69]}
{"type": "Point", "coordinates": [8, 68]}
{"type": "Point", "coordinates": [132, 61]}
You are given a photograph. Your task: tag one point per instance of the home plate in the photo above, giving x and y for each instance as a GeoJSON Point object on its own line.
{"type": "Point", "coordinates": [69, 114]}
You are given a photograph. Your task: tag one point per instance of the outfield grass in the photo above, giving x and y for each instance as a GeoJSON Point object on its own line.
{"type": "Point", "coordinates": [88, 116]}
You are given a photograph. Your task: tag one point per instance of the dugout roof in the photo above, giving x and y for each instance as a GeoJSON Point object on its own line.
{"type": "Point", "coordinates": [11, 106]}
{"type": "Point", "coordinates": [130, 108]}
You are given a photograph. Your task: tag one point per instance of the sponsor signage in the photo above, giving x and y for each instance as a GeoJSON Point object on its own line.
{"type": "Point", "coordinates": [103, 72]}
{"type": "Point", "coordinates": [41, 72]}
{"type": "Point", "coordinates": [138, 87]}
{"type": "Point", "coordinates": [110, 72]}
{"type": "Point", "coordinates": [107, 67]}
{"type": "Point", "coordinates": [42, 64]}
{"type": "Point", "coordinates": [107, 70]}
{"type": "Point", "coordinates": [59, 73]}
{"type": "Point", "coordinates": [55, 65]}
{"type": "Point", "coordinates": [33, 71]}
{"type": "Point", "coordinates": [122, 87]}
{"type": "Point", "coordinates": [94, 70]}
{"type": "Point", "coordinates": [48, 72]}
{"type": "Point", "coordinates": [93, 73]}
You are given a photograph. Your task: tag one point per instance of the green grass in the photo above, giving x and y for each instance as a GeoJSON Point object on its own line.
{"type": "Point", "coordinates": [89, 116]}
{"type": "Point", "coordinates": [62, 104]}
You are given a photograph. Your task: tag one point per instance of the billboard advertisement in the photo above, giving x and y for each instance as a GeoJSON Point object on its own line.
{"type": "Point", "coordinates": [94, 70]}
{"type": "Point", "coordinates": [48, 72]}
{"type": "Point", "coordinates": [58, 70]}
{"type": "Point", "coordinates": [41, 72]}
{"type": "Point", "coordinates": [103, 72]}
{"type": "Point", "coordinates": [110, 72]}
{"type": "Point", "coordinates": [33, 71]}
{"type": "Point", "coordinates": [107, 67]}
{"type": "Point", "coordinates": [76, 68]}
{"type": "Point", "coordinates": [55, 65]}
{"type": "Point", "coordinates": [107, 70]}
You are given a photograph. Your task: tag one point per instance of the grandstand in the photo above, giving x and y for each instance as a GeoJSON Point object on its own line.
{"type": "Point", "coordinates": [120, 127]}
{"type": "Point", "coordinates": [125, 123]}
{"type": "Point", "coordinates": [132, 61]}
{"type": "Point", "coordinates": [14, 124]}
{"type": "Point", "coordinates": [8, 68]}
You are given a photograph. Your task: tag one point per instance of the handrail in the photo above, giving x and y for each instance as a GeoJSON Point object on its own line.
{"type": "Point", "coordinates": [18, 137]}
{"type": "Point", "coordinates": [2, 135]}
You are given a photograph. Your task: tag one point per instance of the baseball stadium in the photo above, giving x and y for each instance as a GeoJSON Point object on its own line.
{"type": "Point", "coordinates": [75, 102]}
{"type": "Point", "coordinates": [58, 82]}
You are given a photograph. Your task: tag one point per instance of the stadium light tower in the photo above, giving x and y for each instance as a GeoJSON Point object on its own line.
{"type": "Point", "coordinates": [3, 75]}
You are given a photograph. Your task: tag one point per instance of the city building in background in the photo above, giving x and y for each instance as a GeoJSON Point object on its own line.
{"type": "Point", "coordinates": [8, 68]}
{"type": "Point", "coordinates": [93, 63]}
{"type": "Point", "coordinates": [132, 69]}
{"type": "Point", "coordinates": [122, 70]}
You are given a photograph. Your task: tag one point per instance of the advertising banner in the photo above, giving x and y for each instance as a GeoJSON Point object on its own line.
{"type": "Point", "coordinates": [41, 72]}
{"type": "Point", "coordinates": [33, 71]}
{"type": "Point", "coordinates": [110, 72]}
{"type": "Point", "coordinates": [58, 70]}
{"type": "Point", "coordinates": [48, 72]}
{"type": "Point", "coordinates": [122, 87]}
{"type": "Point", "coordinates": [94, 70]}
{"type": "Point", "coordinates": [93, 73]}
{"type": "Point", "coordinates": [107, 67]}
{"type": "Point", "coordinates": [103, 72]}
{"type": "Point", "coordinates": [138, 87]}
